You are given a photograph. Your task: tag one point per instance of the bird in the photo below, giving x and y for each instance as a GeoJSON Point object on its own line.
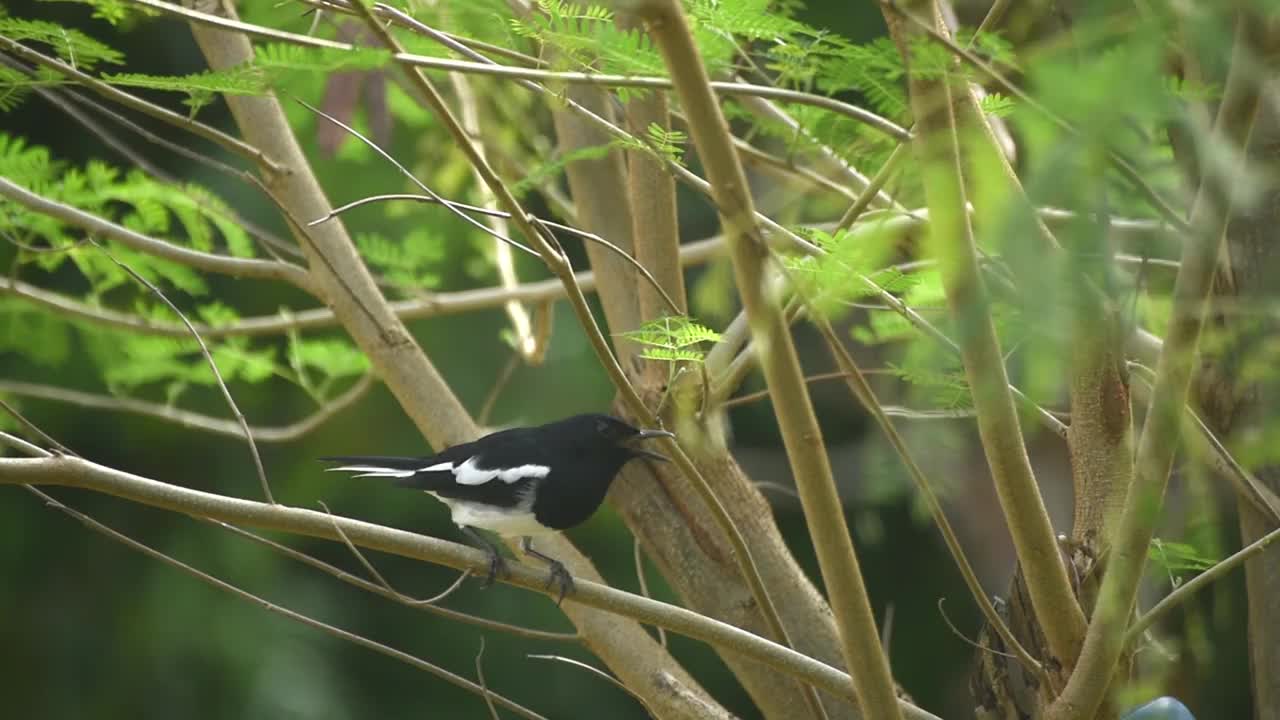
{"type": "Point", "coordinates": [520, 482]}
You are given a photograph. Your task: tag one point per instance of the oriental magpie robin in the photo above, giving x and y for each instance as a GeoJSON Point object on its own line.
{"type": "Point", "coordinates": [520, 482]}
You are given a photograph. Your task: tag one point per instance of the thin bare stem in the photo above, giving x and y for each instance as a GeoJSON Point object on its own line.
{"type": "Point", "coordinates": [377, 589]}
{"type": "Point", "coordinates": [1184, 591]}
{"type": "Point", "coordinates": [187, 418]}
{"type": "Point", "coordinates": [861, 390]}
{"type": "Point", "coordinates": [430, 305]}
{"type": "Point", "coordinates": [213, 365]}
{"type": "Point", "coordinates": [599, 673]}
{"type": "Point", "coordinates": [547, 224]}
{"type": "Point", "coordinates": [377, 576]}
{"type": "Point", "coordinates": [638, 557]}
{"type": "Point", "coordinates": [488, 701]}
{"type": "Point", "coordinates": [258, 600]}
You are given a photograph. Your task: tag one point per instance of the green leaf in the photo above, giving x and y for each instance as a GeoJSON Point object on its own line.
{"type": "Point", "coordinates": [672, 339]}
{"type": "Point", "coordinates": [334, 358]}
{"type": "Point", "coordinates": [74, 47]}
{"type": "Point", "coordinates": [1178, 557]}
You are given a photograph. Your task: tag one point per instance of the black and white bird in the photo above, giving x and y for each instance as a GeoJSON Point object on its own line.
{"type": "Point", "coordinates": [520, 482]}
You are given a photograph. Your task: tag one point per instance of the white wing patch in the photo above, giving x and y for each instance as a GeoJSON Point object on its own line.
{"type": "Point", "coordinates": [438, 467]}
{"type": "Point", "coordinates": [469, 473]}
{"type": "Point", "coordinates": [373, 471]}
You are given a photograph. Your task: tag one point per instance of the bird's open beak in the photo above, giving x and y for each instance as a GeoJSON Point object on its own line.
{"type": "Point", "coordinates": [648, 435]}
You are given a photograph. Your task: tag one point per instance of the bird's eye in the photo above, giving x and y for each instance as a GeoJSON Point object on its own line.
{"type": "Point", "coordinates": [602, 427]}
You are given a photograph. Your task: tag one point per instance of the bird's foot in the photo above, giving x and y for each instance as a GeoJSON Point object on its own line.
{"type": "Point", "coordinates": [497, 566]}
{"type": "Point", "coordinates": [559, 575]}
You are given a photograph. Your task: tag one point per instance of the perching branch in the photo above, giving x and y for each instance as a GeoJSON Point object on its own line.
{"type": "Point", "coordinates": [75, 472]}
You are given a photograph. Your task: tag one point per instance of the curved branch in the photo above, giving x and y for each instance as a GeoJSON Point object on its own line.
{"type": "Point", "coordinates": [236, 267]}
{"type": "Point", "coordinates": [76, 472]}
{"type": "Point", "coordinates": [429, 305]}
{"type": "Point", "coordinates": [866, 117]}
{"type": "Point", "coordinates": [187, 418]}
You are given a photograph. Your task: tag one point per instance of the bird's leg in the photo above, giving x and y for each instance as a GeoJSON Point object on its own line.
{"type": "Point", "coordinates": [558, 572]}
{"type": "Point", "coordinates": [496, 562]}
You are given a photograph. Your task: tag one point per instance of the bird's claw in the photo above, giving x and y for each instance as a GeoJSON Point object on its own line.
{"type": "Point", "coordinates": [559, 575]}
{"type": "Point", "coordinates": [497, 566]}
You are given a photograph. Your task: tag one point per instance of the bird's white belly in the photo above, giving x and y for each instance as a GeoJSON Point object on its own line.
{"type": "Point", "coordinates": [515, 521]}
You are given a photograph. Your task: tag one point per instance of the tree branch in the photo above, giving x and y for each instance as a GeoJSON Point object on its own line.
{"type": "Point", "coordinates": [865, 658]}
{"type": "Point", "coordinates": [1158, 442]}
{"type": "Point", "coordinates": [936, 145]}
{"type": "Point", "coordinates": [76, 472]}
{"type": "Point", "coordinates": [236, 267]}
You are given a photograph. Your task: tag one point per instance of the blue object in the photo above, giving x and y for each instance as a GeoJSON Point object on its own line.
{"type": "Point", "coordinates": [1165, 708]}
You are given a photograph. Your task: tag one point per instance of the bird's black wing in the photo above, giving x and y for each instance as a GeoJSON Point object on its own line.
{"type": "Point", "coordinates": [495, 464]}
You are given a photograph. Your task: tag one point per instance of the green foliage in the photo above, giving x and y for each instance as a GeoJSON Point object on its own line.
{"type": "Point", "coordinates": [33, 333]}
{"type": "Point", "coordinates": [673, 339]}
{"type": "Point", "coordinates": [131, 199]}
{"type": "Point", "coordinates": [851, 267]}
{"type": "Point", "coordinates": [1176, 557]}
{"type": "Point", "coordinates": [273, 65]}
{"type": "Point", "coordinates": [666, 145]}
{"type": "Point", "coordinates": [553, 168]}
{"type": "Point", "coordinates": [586, 39]}
{"type": "Point", "coordinates": [412, 263]}
{"type": "Point", "coordinates": [331, 357]}
{"type": "Point", "coordinates": [72, 46]}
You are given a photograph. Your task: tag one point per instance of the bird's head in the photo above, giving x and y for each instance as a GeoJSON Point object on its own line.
{"type": "Point", "coordinates": [608, 432]}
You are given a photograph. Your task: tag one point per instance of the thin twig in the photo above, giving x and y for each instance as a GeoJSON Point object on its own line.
{"type": "Point", "coordinates": [597, 671]}
{"type": "Point", "coordinates": [377, 576]}
{"type": "Point", "coordinates": [258, 600]}
{"type": "Point", "coordinates": [956, 631]}
{"type": "Point", "coordinates": [208, 357]}
{"type": "Point", "coordinates": [488, 701]}
{"type": "Point", "coordinates": [238, 267]}
{"type": "Point", "coordinates": [638, 557]}
{"type": "Point", "coordinates": [187, 418]}
{"type": "Point", "coordinates": [350, 579]}
{"type": "Point", "coordinates": [547, 224]}
{"type": "Point", "coordinates": [1184, 591]}
{"type": "Point", "coordinates": [429, 305]}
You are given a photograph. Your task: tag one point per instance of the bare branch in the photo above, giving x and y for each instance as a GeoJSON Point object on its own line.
{"type": "Point", "coordinates": [76, 472]}
{"type": "Point", "coordinates": [187, 418]}
{"type": "Point", "coordinates": [339, 633]}
{"type": "Point", "coordinates": [237, 267]}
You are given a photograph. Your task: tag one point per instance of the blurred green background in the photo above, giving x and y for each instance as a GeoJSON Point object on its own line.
{"type": "Point", "coordinates": [89, 628]}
